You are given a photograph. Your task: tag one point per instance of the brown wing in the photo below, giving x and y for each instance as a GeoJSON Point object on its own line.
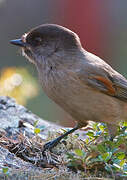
{"type": "Point", "coordinates": [105, 84]}
{"type": "Point", "coordinates": [116, 87]}
{"type": "Point", "coordinates": [100, 76]}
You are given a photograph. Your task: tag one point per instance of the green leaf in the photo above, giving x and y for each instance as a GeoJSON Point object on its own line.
{"type": "Point", "coordinates": [100, 158]}
{"type": "Point", "coordinates": [101, 148]}
{"type": "Point", "coordinates": [5, 170]}
{"type": "Point", "coordinates": [37, 130]}
{"type": "Point", "coordinates": [120, 141]}
{"type": "Point", "coordinates": [125, 124]}
{"type": "Point", "coordinates": [70, 155]}
{"type": "Point", "coordinates": [107, 156]}
{"type": "Point", "coordinates": [87, 141]}
{"type": "Point", "coordinates": [90, 133]}
{"type": "Point", "coordinates": [122, 162]}
{"type": "Point", "coordinates": [35, 123]}
{"type": "Point", "coordinates": [110, 143]}
{"type": "Point", "coordinates": [95, 126]}
{"type": "Point", "coordinates": [101, 127]}
{"type": "Point", "coordinates": [79, 152]}
{"type": "Point", "coordinates": [73, 164]}
{"type": "Point", "coordinates": [120, 155]}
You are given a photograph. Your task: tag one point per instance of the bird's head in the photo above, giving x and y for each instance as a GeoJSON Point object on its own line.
{"type": "Point", "coordinates": [47, 41]}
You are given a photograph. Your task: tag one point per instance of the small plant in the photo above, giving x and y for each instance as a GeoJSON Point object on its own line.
{"type": "Point", "coordinates": [100, 154]}
{"type": "Point", "coordinates": [36, 130]}
{"type": "Point", "coordinates": [5, 170]}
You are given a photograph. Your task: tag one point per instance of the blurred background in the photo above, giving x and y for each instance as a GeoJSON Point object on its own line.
{"type": "Point", "coordinates": [101, 26]}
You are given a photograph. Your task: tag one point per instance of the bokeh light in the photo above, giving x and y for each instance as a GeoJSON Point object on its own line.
{"type": "Point", "coordinates": [19, 84]}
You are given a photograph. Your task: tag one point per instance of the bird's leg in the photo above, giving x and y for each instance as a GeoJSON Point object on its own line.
{"type": "Point", "coordinates": [49, 145]}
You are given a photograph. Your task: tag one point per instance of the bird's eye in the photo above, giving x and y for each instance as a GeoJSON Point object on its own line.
{"type": "Point", "coordinates": [38, 40]}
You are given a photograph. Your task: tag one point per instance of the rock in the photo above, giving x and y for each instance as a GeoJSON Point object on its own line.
{"type": "Point", "coordinates": [11, 114]}
{"type": "Point", "coordinates": [21, 148]}
{"type": "Point", "coordinates": [15, 120]}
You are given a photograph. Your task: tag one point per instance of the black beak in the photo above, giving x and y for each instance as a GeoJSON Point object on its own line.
{"type": "Point", "coordinates": [18, 42]}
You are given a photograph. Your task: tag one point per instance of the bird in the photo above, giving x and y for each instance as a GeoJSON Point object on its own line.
{"type": "Point", "coordinates": [81, 83]}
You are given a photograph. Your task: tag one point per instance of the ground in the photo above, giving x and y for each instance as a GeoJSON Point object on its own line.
{"type": "Point", "coordinates": [81, 155]}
